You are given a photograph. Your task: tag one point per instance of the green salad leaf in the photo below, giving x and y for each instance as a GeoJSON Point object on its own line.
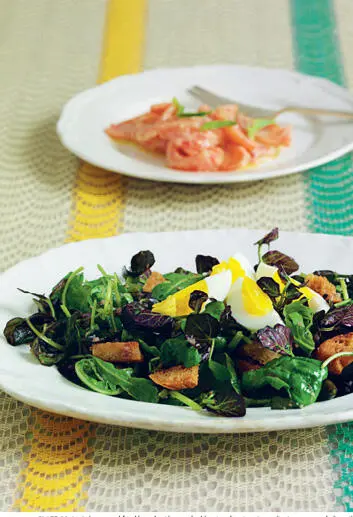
{"type": "Point", "coordinates": [300, 377]}
{"type": "Point", "coordinates": [174, 282]}
{"type": "Point", "coordinates": [177, 350]}
{"type": "Point", "coordinates": [299, 318]}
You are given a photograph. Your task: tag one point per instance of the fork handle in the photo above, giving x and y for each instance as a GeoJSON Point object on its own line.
{"type": "Point", "coordinates": [315, 111]}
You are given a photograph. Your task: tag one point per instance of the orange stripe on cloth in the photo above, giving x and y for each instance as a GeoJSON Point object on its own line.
{"type": "Point", "coordinates": [58, 450]}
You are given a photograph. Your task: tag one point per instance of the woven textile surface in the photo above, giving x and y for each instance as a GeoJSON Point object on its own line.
{"type": "Point", "coordinates": [47, 54]}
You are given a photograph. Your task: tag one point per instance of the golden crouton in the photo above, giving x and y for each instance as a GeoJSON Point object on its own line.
{"type": "Point", "coordinates": [154, 279]}
{"type": "Point", "coordinates": [252, 356]}
{"type": "Point", "coordinates": [322, 286]}
{"type": "Point", "coordinates": [342, 343]}
{"type": "Point", "coordinates": [116, 352]}
{"type": "Point", "coordinates": [177, 377]}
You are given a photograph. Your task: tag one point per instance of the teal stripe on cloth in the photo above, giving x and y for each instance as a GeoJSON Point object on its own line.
{"type": "Point", "coordinates": [329, 188]}
{"type": "Point", "coordinates": [317, 52]}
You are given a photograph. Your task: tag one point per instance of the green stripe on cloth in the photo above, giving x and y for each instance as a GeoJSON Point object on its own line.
{"type": "Point", "coordinates": [317, 52]}
{"type": "Point", "coordinates": [330, 187]}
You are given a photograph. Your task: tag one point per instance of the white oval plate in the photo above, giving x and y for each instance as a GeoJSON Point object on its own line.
{"type": "Point", "coordinates": [25, 379]}
{"type": "Point", "coordinates": [315, 140]}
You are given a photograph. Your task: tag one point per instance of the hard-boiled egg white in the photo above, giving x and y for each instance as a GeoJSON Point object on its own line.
{"type": "Point", "coordinates": [315, 301]}
{"type": "Point", "coordinates": [250, 306]}
{"type": "Point", "coordinates": [238, 264]}
{"type": "Point", "coordinates": [216, 286]}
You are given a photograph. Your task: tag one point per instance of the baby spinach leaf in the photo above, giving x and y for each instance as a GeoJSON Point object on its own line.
{"type": "Point", "coordinates": [300, 377]}
{"type": "Point", "coordinates": [203, 327]}
{"type": "Point", "coordinates": [219, 371]}
{"type": "Point", "coordinates": [279, 339]}
{"type": "Point", "coordinates": [268, 238]}
{"type": "Point", "coordinates": [280, 261]}
{"type": "Point", "coordinates": [197, 299]}
{"type": "Point", "coordinates": [149, 349]}
{"type": "Point", "coordinates": [175, 282]}
{"type": "Point", "coordinates": [205, 263]}
{"type": "Point", "coordinates": [299, 318]}
{"type": "Point", "coordinates": [177, 351]}
{"type": "Point", "coordinates": [215, 309]}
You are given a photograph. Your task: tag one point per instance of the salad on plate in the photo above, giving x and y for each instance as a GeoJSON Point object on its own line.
{"type": "Point", "coordinates": [225, 337]}
{"type": "Point", "coordinates": [221, 139]}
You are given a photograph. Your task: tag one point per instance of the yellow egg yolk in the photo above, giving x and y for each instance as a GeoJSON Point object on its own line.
{"type": "Point", "coordinates": [306, 292]}
{"type": "Point", "coordinates": [178, 304]}
{"type": "Point", "coordinates": [255, 301]}
{"type": "Point", "coordinates": [233, 265]}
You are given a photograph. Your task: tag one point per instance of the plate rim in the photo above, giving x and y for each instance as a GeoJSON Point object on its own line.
{"type": "Point", "coordinates": [186, 177]}
{"type": "Point", "coordinates": [139, 419]}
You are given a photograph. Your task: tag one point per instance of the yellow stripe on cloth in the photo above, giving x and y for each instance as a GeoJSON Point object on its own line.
{"type": "Point", "coordinates": [99, 198]}
{"type": "Point", "coordinates": [57, 466]}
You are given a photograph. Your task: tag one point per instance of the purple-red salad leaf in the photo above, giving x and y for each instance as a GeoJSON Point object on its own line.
{"type": "Point", "coordinates": [278, 339]}
{"type": "Point", "coordinates": [281, 261]}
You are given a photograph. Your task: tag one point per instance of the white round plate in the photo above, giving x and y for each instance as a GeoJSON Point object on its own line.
{"type": "Point", "coordinates": [25, 379]}
{"type": "Point", "coordinates": [316, 140]}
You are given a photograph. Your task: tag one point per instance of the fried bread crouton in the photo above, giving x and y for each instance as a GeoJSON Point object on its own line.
{"type": "Point", "coordinates": [118, 352]}
{"type": "Point", "coordinates": [177, 377]}
{"type": "Point", "coordinates": [342, 343]}
{"type": "Point", "coordinates": [154, 279]}
{"type": "Point", "coordinates": [322, 286]}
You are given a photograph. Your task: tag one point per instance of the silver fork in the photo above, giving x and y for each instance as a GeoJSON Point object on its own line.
{"type": "Point", "coordinates": [214, 100]}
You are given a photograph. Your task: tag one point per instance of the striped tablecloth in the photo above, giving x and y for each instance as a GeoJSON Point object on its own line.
{"type": "Point", "coordinates": [49, 50]}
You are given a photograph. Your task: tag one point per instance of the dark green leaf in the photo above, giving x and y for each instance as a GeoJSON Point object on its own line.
{"type": "Point", "coordinates": [269, 286]}
{"type": "Point", "coordinates": [202, 327]}
{"type": "Point", "coordinates": [215, 309]}
{"type": "Point", "coordinates": [300, 377]}
{"type": "Point", "coordinates": [230, 404]}
{"type": "Point", "coordinates": [205, 263]}
{"type": "Point", "coordinates": [175, 282]}
{"type": "Point", "coordinates": [105, 378]}
{"type": "Point", "coordinates": [78, 294]}
{"type": "Point", "coordinates": [233, 375]}
{"type": "Point", "coordinates": [280, 261]}
{"type": "Point", "coordinates": [176, 351]}
{"type": "Point", "coordinates": [299, 318]}
{"type": "Point", "coordinates": [219, 371]}
{"type": "Point", "coordinates": [141, 262]}
{"type": "Point", "coordinates": [197, 300]}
